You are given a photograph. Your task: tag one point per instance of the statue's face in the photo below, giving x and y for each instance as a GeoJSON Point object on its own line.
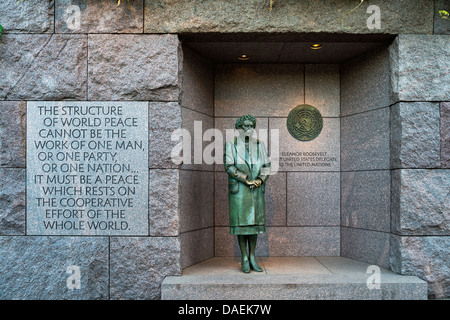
{"type": "Point", "coordinates": [247, 128]}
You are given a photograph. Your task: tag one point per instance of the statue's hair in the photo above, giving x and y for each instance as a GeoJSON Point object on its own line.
{"type": "Point", "coordinates": [241, 120]}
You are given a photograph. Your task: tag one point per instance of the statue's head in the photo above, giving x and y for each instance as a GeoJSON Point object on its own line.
{"type": "Point", "coordinates": [246, 125]}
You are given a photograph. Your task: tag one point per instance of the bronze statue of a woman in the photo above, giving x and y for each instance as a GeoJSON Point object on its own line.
{"type": "Point", "coordinates": [248, 169]}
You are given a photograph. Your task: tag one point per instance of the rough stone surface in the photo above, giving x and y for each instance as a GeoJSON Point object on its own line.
{"type": "Point", "coordinates": [365, 82]}
{"type": "Point", "coordinates": [43, 67]}
{"type": "Point", "coordinates": [313, 198]}
{"type": "Point", "coordinates": [12, 133]}
{"type": "Point", "coordinates": [445, 135]}
{"type": "Point", "coordinates": [365, 245]}
{"type": "Point", "coordinates": [138, 265]}
{"type": "Point", "coordinates": [36, 268]}
{"type": "Point", "coordinates": [12, 201]}
{"type": "Point", "coordinates": [196, 246]}
{"type": "Point", "coordinates": [286, 16]}
{"type": "Point", "coordinates": [425, 257]}
{"type": "Point", "coordinates": [100, 16]}
{"type": "Point", "coordinates": [133, 67]}
{"type": "Point", "coordinates": [442, 17]}
{"type": "Point", "coordinates": [198, 82]}
{"type": "Point", "coordinates": [33, 16]}
{"type": "Point", "coordinates": [164, 119]}
{"type": "Point", "coordinates": [420, 202]}
{"type": "Point", "coordinates": [365, 199]}
{"type": "Point", "coordinates": [419, 65]}
{"type": "Point", "coordinates": [261, 90]}
{"type": "Point", "coordinates": [415, 135]}
{"type": "Point", "coordinates": [196, 200]}
{"type": "Point", "coordinates": [163, 202]}
{"type": "Point", "coordinates": [365, 141]}
{"type": "Point", "coordinates": [283, 241]}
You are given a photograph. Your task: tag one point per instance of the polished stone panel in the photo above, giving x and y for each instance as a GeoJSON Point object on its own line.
{"type": "Point", "coordinates": [261, 90]}
{"type": "Point", "coordinates": [365, 141]}
{"type": "Point", "coordinates": [365, 199]}
{"type": "Point", "coordinates": [87, 168]}
{"type": "Point", "coordinates": [320, 154]}
{"type": "Point", "coordinates": [313, 199]}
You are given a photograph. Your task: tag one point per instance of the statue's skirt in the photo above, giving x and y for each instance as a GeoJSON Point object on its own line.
{"type": "Point", "coordinates": [247, 230]}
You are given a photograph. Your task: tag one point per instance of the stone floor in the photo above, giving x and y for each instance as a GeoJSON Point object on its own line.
{"type": "Point", "coordinates": [289, 278]}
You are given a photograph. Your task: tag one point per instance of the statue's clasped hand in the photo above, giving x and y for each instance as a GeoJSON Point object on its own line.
{"type": "Point", "coordinates": [254, 183]}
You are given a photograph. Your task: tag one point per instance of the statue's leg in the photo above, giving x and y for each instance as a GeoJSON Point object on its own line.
{"type": "Point", "coordinates": [252, 244]}
{"type": "Point", "coordinates": [243, 246]}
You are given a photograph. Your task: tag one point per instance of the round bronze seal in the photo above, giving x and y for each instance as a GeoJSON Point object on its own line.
{"type": "Point", "coordinates": [304, 122]}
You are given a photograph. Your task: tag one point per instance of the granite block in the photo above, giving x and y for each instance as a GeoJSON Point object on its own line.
{"type": "Point", "coordinates": [196, 200]}
{"type": "Point", "coordinates": [99, 16]}
{"type": "Point", "coordinates": [425, 257]}
{"type": "Point", "coordinates": [419, 65]}
{"type": "Point", "coordinates": [313, 198]}
{"type": "Point", "coordinates": [12, 133]}
{"type": "Point", "coordinates": [12, 201]}
{"type": "Point", "coordinates": [201, 147]}
{"type": "Point", "coordinates": [415, 135]}
{"type": "Point", "coordinates": [365, 245]}
{"type": "Point", "coordinates": [134, 67]}
{"type": "Point", "coordinates": [365, 141]}
{"type": "Point", "coordinates": [365, 82]}
{"type": "Point", "coordinates": [43, 67]}
{"type": "Point", "coordinates": [322, 88]}
{"type": "Point", "coordinates": [262, 90]}
{"type": "Point", "coordinates": [292, 16]}
{"type": "Point", "coordinates": [37, 268]}
{"type": "Point", "coordinates": [197, 82]}
{"type": "Point", "coordinates": [196, 246]}
{"type": "Point", "coordinates": [420, 203]}
{"type": "Point", "coordinates": [164, 214]}
{"type": "Point", "coordinates": [164, 120]}
{"type": "Point", "coordinates": [365, 200]}
{"type": "Point", "coordinates": [33, 16]}
{"type": "Point", "coordinates": [138, 265]}
{"type": "Point", "coordinates": [445, 135]}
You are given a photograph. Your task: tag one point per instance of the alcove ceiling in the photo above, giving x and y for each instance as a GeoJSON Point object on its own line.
{"type": "Point", "coordinates": [283, 48]}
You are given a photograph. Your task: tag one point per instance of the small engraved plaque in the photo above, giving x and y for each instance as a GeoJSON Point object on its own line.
{"type": "Point", "coordinates": [87, 168]}
{"type": "Point", "coordinates": [304, 122]}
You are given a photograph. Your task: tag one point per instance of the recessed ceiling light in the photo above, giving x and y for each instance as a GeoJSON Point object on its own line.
{"type": "Point", "coordinates": [316, 46]}
{"type": "Point", "coordinates": [243, 57]}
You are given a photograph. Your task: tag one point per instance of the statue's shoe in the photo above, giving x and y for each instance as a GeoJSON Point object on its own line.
{"type": "Point", "coordinates": [254, 266]}
{"type": "Point", "coordinates": [245, 266]}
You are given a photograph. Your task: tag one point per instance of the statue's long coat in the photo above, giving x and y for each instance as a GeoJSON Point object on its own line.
{"type": "Point", "coordinates": [247, 207]}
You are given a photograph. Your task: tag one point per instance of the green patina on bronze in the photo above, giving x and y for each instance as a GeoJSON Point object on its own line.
{"type": "Point", "coordinates": [248, 169]}
{"type": "Point", "coordinates": [304, 122]}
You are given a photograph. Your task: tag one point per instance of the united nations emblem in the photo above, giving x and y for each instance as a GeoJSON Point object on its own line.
{"type": "Point", "coordinates": [304, 122]}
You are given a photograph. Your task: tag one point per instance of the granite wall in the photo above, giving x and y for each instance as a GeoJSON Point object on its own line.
{"type": "Point", "coordinates": [394, 201]}
{"type": "Point", "coordinates": [420, 179]}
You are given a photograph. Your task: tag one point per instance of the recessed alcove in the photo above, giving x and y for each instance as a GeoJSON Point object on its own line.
{"type": "Point", "coordinates": [339, 209]}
